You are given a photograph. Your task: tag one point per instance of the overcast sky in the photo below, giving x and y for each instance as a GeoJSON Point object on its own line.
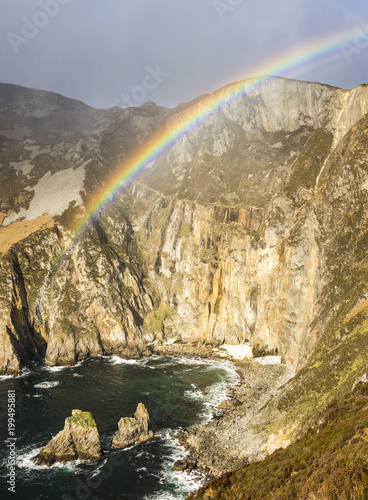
{"type": "Point", "coordinates": [121, 52]}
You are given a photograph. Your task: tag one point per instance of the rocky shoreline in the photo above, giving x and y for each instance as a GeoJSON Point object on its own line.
{"type": "Point", "coordinates": [215, 447]}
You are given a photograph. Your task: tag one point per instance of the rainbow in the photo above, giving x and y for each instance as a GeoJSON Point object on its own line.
{"type": "Point", "coordinates": [289, 64]}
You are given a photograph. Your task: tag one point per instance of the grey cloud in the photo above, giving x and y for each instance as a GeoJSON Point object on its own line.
{"type": "Point", "coordinates": [98, 51]}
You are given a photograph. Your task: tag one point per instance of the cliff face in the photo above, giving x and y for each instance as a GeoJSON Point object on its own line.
{"type": "Point", "coordinates": [252, 228]}
{"type": "Point", "coordinates": [57, 305]}
{"type": "Point", "coordinates": [232, 274]}
{"type": "Point", "coordinates": [93, 303]}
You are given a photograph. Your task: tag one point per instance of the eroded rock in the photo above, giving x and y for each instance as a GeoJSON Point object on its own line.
{"type": "Point", "coordinates": [78, 440]}
{"type": "Point", "coordinates": [133, 430]}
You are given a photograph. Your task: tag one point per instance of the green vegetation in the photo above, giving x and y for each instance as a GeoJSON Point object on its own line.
{"type": "Point", "coordinates": [154, 320]}
{"type": "Point", "coordinates": [82, 418]}
{"type": "Point", "coordinates": [185, 230]}
{"type": "Point", "coordinates": [328, 463]}
{"type": "Point", "coordinates": [309, 162]}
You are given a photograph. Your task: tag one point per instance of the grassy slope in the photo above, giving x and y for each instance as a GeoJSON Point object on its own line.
{"type": "Point", "coordinates": [328, 463]}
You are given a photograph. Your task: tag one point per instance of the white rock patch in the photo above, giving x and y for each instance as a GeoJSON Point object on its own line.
{"type": "Point", "coordinates": [53, 194]}
{"type": "Point", "coordinates": [240, 351]}
{"type": "Point", "coordinates": [269, 360]}
{"type": "Point", "coordinates": [25, 166]}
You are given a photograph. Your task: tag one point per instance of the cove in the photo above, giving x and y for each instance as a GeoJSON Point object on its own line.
{"type": "Point", "coordinates": [178, 392]}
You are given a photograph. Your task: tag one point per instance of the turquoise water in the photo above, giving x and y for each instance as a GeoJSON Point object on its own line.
{"type": "Point", "coordinates": [177, 392]}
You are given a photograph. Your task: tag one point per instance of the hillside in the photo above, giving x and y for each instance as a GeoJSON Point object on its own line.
{"type": "Point", "coordinates": [328, 462]}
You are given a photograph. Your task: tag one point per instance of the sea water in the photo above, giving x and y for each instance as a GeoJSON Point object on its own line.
{"type": "Point", "coordinates": [178, 392]}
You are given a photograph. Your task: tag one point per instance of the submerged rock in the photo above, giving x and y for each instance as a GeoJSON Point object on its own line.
{"type": "Point", "coordinates": [189, 462]}
{"type": "Point", "coordinates": [78, 440]}
{"type": "Point", "coordinates": [133, 430]}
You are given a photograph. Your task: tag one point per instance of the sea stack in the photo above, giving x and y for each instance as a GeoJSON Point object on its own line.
{"type": "Point", "coordinates": [133, 430]}
{"type": "Point", "coordinates": [78, 440]}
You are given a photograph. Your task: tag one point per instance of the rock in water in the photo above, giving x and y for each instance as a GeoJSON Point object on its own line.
{"type": "Point", "coordinates": [78, 440]}
{"type": "Point", "coordinates": [133, 430]}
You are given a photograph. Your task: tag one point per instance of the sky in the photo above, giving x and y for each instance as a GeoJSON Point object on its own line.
{"type": "Point", "coordinates": [127, 52]}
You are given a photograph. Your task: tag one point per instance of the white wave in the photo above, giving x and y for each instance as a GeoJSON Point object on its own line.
{"type": "Point", "coordinates": [55, 369]}
{"type": "Point", "coordinates": [219, 392]}
{"type": "Point", "coordinates": [46, 385]}
{"type": "Point", "coordinates": [24, 461]}
{"type": "Point", "coordinates": [185, 482]}
{"type": "Point", "coordinates": [100, 466]}
{"type": "Point", "coordinates": [116, 360]}
{"type": "Point", "coordinates": [215, 396]}
{"type": "Point", "coordinates": [194, 393]}
{"type": "Point", "coordinates": [24, 373]}
{"type": "Point", "coordinates": [211, 363]}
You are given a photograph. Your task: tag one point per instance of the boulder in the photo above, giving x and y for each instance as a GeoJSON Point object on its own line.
{"type": "Point", "coordinates": [180, 465]}
{"type": "Point", "coordinates": [78, 440]}
{"type": "Point", "coordinates": [133, 430]}
{"type": "Point", "coordinates": [228, 405]}
{"type": "Point", "coordinates": [189, 462]}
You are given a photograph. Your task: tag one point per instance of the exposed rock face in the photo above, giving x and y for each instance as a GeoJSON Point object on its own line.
{"type": "Point", "coordinates": [215, 266]}
{"type": "Point", "coordinates": [78, 440]}
{"type": "Point", "coordinates": [254, 228]}
{"type": "Point", "coordinates": [75, 312]}
{"type": "Point", "coordinates": [133, 430]}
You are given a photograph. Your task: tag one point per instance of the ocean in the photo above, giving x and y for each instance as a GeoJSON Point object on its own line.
{"type": "Point", "coordinates": [177, 391]}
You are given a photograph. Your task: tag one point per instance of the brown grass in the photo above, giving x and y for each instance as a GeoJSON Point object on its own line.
{"type": "Point", "coordinates": [20, 230]}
